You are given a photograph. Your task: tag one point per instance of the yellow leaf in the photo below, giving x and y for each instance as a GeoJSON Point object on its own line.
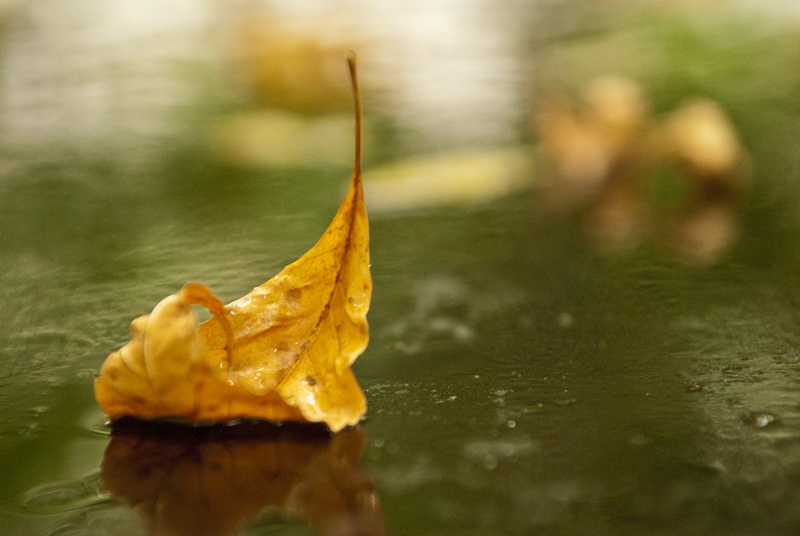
{"type": "Point", "coordinates": [281, 352]}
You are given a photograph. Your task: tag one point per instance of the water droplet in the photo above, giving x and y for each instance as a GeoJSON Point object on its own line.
{"type": "Point", "coordinates": [64, 496]}
{"type": "Point", "coordinates": [489, 453]}
{"type": "Point", "coordinates": [639, 440]}
{"type": "Point", "coordinates": [760, 419]}
{"type": "Point", "coordinates": [490, 462]}
{"type": "Point", "coordinates": [53, 495]}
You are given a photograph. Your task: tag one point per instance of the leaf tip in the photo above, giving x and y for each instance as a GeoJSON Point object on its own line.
{"type": "Point", "coordinates": [352, 65]}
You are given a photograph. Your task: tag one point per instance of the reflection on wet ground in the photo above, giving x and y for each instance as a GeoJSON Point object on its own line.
{"type": "Point", "coordinates": [210, 482]}
{"type": "Point", "coordinates": [217, 481]}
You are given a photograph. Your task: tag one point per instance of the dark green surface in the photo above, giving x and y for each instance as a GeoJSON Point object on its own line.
{"type": "Point", "coordinates": [518, 383]}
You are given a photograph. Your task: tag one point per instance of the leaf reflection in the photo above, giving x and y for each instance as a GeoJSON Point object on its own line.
{"type": "Point", "coordinates": [210, 481]}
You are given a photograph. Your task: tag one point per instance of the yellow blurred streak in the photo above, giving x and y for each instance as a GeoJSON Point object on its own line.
{"type": "Point", "coordinates": [456, 178]}
{"type": "Point", "coordinates": [282, 138]}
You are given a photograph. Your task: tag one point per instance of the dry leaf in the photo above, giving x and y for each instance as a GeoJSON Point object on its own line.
{"type": "Point", "coordinates": [294, 67]}
{"type": "Point", "coordinates": [212, 482]}
{"type": "Point", "coordinates": [699, 137]}
{"type": "Point", "coordinates": [605, 152]}
{"type": "Point", "coordinates": [281, 352]}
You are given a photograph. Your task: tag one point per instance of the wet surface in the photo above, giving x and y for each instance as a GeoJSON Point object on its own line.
{"type": "Point", "coordinates": [519, 380]}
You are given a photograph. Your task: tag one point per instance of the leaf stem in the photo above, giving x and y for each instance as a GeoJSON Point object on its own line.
{"type": "Point", "coordinates": [351, 62]}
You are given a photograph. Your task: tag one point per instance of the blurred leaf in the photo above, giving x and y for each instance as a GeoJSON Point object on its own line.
{"type": "Point", "coordinates": [290, 67]}
{"type": "Point", "coordinates": [686, 176]}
